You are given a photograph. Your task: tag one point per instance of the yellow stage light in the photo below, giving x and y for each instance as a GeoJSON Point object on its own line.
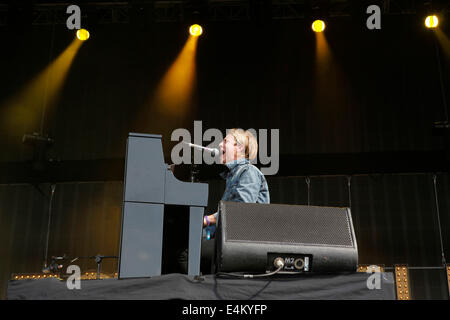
{"type": "Point", "coordinates": [196, 30]}
{"type": "Point", "coordinates": [83, 34]}
{"type": "Point", "coordinates": [431, 21]}
{"type": "Point", "coordinates": [318, 26]}
{"type": "Point", "coordinates": [402, 282]}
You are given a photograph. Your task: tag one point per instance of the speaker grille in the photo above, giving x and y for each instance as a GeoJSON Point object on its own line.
{"type": "Point", "coordinates": [287, 224]}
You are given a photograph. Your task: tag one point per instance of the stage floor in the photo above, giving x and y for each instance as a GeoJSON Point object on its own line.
{"type": "Point", "coordinates": [354, 286]}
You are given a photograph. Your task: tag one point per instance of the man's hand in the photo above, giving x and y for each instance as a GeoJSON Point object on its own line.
{"type": "Point", "coordinates": [209, 220]}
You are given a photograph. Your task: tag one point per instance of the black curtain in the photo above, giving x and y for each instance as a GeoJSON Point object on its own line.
{"type": "Point", "coordinates": [395, 219]}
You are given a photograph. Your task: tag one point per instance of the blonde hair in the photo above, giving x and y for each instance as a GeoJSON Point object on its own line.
{"type": "Point", "coordinates": [247, 140]}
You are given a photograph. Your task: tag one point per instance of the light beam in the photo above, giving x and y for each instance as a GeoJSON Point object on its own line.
{"type": "Point", "coordinates": [22, 111]}
{"type": "Point", "coordinates": [175, 91]}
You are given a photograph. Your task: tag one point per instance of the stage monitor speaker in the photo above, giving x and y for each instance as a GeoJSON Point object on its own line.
{"type": "Point", "coordinates": [250, 236]}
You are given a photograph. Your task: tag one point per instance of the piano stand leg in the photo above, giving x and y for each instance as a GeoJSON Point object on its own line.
{"type": "Point", "coordinates": [195, 240]}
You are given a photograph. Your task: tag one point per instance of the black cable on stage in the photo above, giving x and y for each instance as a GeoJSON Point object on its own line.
{"type": "Point", "coordinates": [439, 221]}
{"type": "Point", "coordinates": [278, 262]}
{"type": "Point", "coordinates": [49, 221]}
{"type": "Point", "coordinates": [248, 276]}
{"type": "Point", "coordinates": [349, 185]}
{"type": "Point", "coordinates": [308, 183]}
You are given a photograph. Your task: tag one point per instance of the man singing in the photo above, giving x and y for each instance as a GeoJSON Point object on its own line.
{"type": "Point", "coordinates": [244, 181]}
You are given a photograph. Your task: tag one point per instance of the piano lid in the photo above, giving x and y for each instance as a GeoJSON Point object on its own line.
{"type": "Point", "coordinates": [145, 135]}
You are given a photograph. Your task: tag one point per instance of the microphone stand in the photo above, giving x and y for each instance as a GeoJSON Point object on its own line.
{"type": "Point", "coordinates": [49, 223]}
{"type": "Point", "coordinates": [194, 172]}
{"type": "Point", "coordinates": [98, 259]}
{"type": "Point", "coordinates": [194, 168]}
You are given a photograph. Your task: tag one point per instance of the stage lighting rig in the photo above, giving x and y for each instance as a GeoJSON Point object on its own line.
{"type": "Point", "coordinates": [317, 12]}
{"type": "Point", "coordinates": [36, 139]}
{"type": "Point", "coordinates": [196, 16]}
{"type": "Point", "coordinates": [318, 26]}
{"type": "Point", "coordinates": [432, 22]}
{"type": "Point", "coordinates": [83, 34]}
{"type": "Point", "coordinates": [196, 30]}
{"type": "Point", "coordinates": [40, 144]}
{"type": "Point", "coordinates": [402, 282]}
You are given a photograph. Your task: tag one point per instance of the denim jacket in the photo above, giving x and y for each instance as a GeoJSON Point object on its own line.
{"type": "Point", "coordinates": [244, 183]}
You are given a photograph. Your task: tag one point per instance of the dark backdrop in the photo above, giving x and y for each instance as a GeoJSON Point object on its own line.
{"type": "Point", "coordinates": [380, 91]}
{"type": "Point", "coordinates": [376, 99]}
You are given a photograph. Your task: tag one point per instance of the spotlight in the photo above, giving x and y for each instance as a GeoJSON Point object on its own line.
{"type": "Point", "coordinates": [195, 30]}
{"type": "Point", "coordinates": [37, 139]}
{"type": "Point", "coordinates": [318, 26]}
{"type": "Point", "coordinates": [83, 34]}
{"type": "Point", "coordinates": [431, 21]}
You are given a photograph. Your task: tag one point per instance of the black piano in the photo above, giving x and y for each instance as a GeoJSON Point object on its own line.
{"type": "Point", "coordinates": [151, 194]}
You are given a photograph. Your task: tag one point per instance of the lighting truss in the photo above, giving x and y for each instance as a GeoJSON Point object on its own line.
{"type": "Point", "coordinates": [160, 11]}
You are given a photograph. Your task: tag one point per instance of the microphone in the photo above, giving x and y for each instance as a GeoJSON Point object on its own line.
{"type": "Point", "coordinates": [214, 151]}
